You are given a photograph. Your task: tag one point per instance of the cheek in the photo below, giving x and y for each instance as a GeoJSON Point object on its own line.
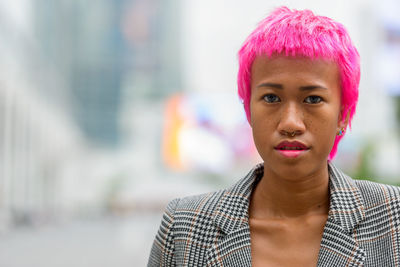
{"type": "Point", "coordinates": [324, 128]}
{"type": "Point", "coordinates": [254, 108]}
{"type": "Point", "coordinates": [262, 128]}
{"type": "Point", "coordinates": [261, 131]}
{"type": "Point", "coordinates": [257, 115]}
{"type": "Point", "coordinates": [322, 122]}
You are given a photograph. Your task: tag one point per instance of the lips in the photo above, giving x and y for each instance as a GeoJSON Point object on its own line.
{"type": "Point", "coordinates": [293, 145]}
{"type": "Point", "coordinates": [291, 150]}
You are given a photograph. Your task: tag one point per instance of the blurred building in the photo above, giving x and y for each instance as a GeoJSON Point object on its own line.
{"type": "Point", "coordinates": [36, 135]}
{"type": "Point", "coordinates": [72, 73]}
{"type": "Point", "coordinates": [110, 54]}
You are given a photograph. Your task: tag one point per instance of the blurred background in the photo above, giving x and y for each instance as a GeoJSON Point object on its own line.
{"type": "Point", "coordinates": [109, 109]}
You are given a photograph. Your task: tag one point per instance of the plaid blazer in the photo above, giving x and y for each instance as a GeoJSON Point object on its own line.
{"type": "Point", "coordinates": [213, 229]}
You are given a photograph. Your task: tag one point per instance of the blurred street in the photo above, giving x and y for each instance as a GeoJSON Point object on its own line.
{"type": "Point", "coordinates": [100, 242]}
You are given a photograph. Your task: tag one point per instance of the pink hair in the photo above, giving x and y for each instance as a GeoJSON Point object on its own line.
{"type": "Point", "coordinates": [301, 33]}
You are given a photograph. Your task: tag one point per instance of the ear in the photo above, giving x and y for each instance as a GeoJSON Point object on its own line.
{"type": "Point", "coordinates": [342, 124]}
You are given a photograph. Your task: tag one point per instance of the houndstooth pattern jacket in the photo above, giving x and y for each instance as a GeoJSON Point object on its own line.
{"type": "Point", "coordinates": [213, 229]}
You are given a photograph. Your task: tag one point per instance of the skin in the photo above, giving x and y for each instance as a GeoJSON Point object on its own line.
{"type": "Point", "coordinates": [289, 206]}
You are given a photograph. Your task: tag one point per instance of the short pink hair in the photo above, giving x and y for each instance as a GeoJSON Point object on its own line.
{"type": "Point", "coordinates": [301, 33]}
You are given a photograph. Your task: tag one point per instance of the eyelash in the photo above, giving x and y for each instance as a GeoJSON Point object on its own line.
{"type": "Point", "coordinates": [267, 95]}
{"type": "Point", "coordinates": [320, 99]}
{"type": "Point", "coordinates": [314, 96]}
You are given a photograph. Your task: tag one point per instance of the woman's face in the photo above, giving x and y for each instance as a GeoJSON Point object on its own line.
{"type": "Point", "coordinates": [300, 97]}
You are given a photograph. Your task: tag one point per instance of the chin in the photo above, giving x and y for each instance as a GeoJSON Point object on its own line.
{"type": "Point", "coordinates": [294, 167]}
{"type": "Point", "coordinates": [294, 171]}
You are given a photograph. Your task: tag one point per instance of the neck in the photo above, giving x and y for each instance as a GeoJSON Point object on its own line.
{"type": "Point", "coordinates": [285, 197]}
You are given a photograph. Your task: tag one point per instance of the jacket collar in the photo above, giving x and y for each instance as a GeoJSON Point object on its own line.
{"type": "Point", "coordinates": [232, 211]}
{"type": "Point", "coordinates": [345, 213]}
{"type": "Point", "coordinates": [346, 203]}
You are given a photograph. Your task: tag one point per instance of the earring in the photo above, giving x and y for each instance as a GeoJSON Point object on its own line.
{"type": "Point", "coordinates": [341, 132]}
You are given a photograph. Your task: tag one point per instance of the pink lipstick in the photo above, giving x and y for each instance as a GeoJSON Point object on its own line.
{"type": "Point", "coordinates": [291, 149]}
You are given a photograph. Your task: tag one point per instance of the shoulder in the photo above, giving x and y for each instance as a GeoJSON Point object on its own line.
{"type": "Point", "coordinates": [233, 197]}
{"type": "Point", "coordinates": [381, 206]}
{"type": "Point", "coordinates": [184, 220]}
{"type": "Point", "coordinates": [375, 194]}
{"type": "Point", "coordinates": [197, 204]}
{"type": "Point", "coordinates": [362, 193]}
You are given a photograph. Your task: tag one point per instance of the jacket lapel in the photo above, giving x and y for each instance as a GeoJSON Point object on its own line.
{"type": "Point", "coordinates": [232, 247]}
{"type": "Point", "coordinates": [231, 250]}
{"type": "Point", "coordinates": [338, 246]}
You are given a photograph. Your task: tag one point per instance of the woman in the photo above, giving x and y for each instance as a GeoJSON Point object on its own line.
{"type": "Point", "coordinates": [298, 78]}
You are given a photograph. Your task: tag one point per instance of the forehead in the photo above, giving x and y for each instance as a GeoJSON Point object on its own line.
{"type": "Point", "coordinates": [278, 68]}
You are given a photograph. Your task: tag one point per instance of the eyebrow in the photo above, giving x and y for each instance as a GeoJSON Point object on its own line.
{"type": "Point", "coordinates": [302, 88]}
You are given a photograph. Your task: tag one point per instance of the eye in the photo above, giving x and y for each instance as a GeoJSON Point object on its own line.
{"type": "Point", "coordinates": [313, 99]}
{"type": "Point", "coordinates": [271, 98]}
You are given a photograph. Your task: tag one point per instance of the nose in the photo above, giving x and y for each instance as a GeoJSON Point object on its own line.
{"type": "Point", "coordinates": [291, 120]}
